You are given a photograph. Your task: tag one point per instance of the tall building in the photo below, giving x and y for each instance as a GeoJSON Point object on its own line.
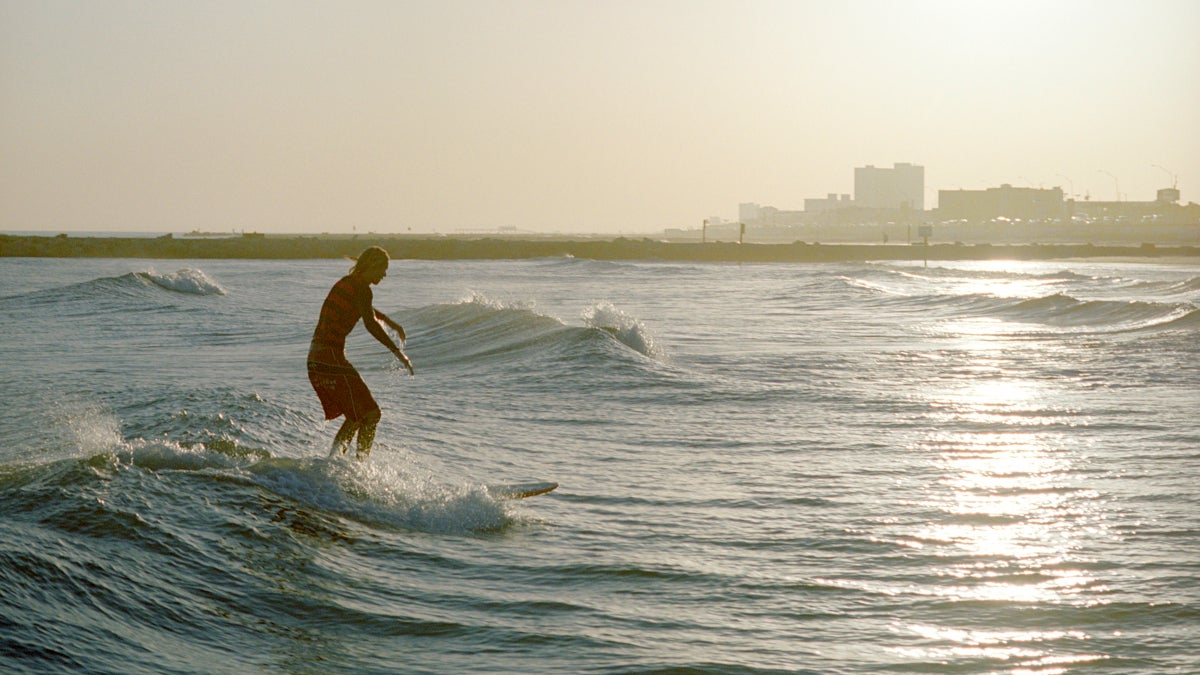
{"type": "Point", "coordinates": [749, 212]}
{"type": "Point", "coordinates": [900, 187]}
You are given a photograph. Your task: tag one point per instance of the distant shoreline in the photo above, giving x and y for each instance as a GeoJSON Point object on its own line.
{"type": "Point", "coordinates": [296, 247]}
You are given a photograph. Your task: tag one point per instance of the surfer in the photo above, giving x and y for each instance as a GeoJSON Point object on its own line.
{"type": "Point", "coordinates": [337, 383]}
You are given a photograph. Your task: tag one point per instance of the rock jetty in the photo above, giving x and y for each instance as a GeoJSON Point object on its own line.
{"type": "Point", "coordinates": [258, 246]}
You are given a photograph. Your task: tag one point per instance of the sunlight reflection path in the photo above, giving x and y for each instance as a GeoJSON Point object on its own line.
{"type": "Point", "coordinates": [1011, 525]}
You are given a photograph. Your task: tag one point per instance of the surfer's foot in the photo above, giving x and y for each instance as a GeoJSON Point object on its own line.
{"type": "Point", "coordinates": [340, 446]}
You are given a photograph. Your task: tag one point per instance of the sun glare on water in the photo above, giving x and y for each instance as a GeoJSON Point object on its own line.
{"type": "Point", "coordinates": [1010, 520]}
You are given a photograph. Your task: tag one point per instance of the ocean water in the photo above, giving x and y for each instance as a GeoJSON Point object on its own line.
{"type": "Point", "coordinates": [860, 468]}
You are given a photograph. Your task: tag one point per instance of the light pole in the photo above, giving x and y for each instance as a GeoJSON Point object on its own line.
{"type": "Point", "coordinates": [1173, 176]}
{"type": "Point", "coordinates": [1116, 184]}
{"type": "Point", "coordinates": [1069, 182]}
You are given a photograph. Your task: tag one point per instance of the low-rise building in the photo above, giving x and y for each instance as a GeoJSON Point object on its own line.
{"type": "Point", "coordinates": [1005, 201]}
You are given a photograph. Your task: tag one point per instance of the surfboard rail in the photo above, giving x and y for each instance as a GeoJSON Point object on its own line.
{"type": "Point", "coordinates": [520, 490]}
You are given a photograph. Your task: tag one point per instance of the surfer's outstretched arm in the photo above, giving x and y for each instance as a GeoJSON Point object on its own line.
{"type": "Point", "coordinates": [373, 327]}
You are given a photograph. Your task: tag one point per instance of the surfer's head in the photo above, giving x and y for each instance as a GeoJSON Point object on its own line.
{"type": "Point", "coordinates": [371, 264]}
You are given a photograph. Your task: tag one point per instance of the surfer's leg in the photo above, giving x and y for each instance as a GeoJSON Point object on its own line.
{"type": "Point", "coordinates": [366, 434]}
{"type": "Point", "coordinates": [341, 442]}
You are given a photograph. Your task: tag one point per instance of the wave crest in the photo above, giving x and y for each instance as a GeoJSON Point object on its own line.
{"type": "Point", "coordinates": [1063, 310]}
{"type": "Point", "coordinates": [628, 330]}
{"type": "Point", "coordinates": [484, 330]}
{"type": "Point", "coordinates": [1061, 299]}
{"type": "Point", "coordinates": [189, 281]}
{"type": "Point", "coordinates": [86, 297]}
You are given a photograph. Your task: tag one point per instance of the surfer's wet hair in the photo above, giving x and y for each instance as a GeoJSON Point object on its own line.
{"type": "Point", "coordinates": [369, 259]}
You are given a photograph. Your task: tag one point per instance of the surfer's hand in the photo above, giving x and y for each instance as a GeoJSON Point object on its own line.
{"type": "Point", "coordinates": [404, 359]}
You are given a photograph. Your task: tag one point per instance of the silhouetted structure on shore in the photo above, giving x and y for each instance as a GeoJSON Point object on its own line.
{"type": "Point", "coordinates": [888, 203]}
{"type": "Point", "coordinates": [1005, 201]}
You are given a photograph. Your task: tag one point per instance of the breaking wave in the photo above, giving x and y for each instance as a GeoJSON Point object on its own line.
{"type": "Point", "coordinates": [480, 329]}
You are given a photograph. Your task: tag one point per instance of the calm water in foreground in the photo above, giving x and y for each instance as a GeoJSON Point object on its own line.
{"type": "Point", "coordinates": [965, 468]}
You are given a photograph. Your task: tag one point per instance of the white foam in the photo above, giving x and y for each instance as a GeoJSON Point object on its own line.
{"type": "Point", "coordinates": [93, 429]}
{"type": "Point", "coordinates": [630, 331]}
{"type": "Point", "coordinates": [379, 493]}
{"type": "Point", "coordinates": [195, 282]}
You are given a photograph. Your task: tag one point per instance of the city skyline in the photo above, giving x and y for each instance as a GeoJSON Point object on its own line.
{"type": "Point", "coordinates": [569, 116]}
{"type": "Point", "coordinates": [901, 188]}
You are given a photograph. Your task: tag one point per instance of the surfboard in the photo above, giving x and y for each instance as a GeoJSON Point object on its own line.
{"type": "Point", "coordinates": [520, 490]}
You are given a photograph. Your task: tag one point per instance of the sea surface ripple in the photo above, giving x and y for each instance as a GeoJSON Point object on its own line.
{"type": "Point", "coordinates": [977, 467]}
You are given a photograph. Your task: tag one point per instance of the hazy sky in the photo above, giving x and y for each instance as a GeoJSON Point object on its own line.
{"type": "Point", "coordinates": [572, 115]}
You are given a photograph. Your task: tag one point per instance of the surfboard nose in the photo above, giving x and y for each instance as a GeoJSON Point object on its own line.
{"type": "Point", "coordinates": [520, 490]}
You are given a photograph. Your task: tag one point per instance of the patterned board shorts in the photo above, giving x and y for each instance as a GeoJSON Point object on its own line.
{"type": "Point", "coordinates": [338, 385]}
